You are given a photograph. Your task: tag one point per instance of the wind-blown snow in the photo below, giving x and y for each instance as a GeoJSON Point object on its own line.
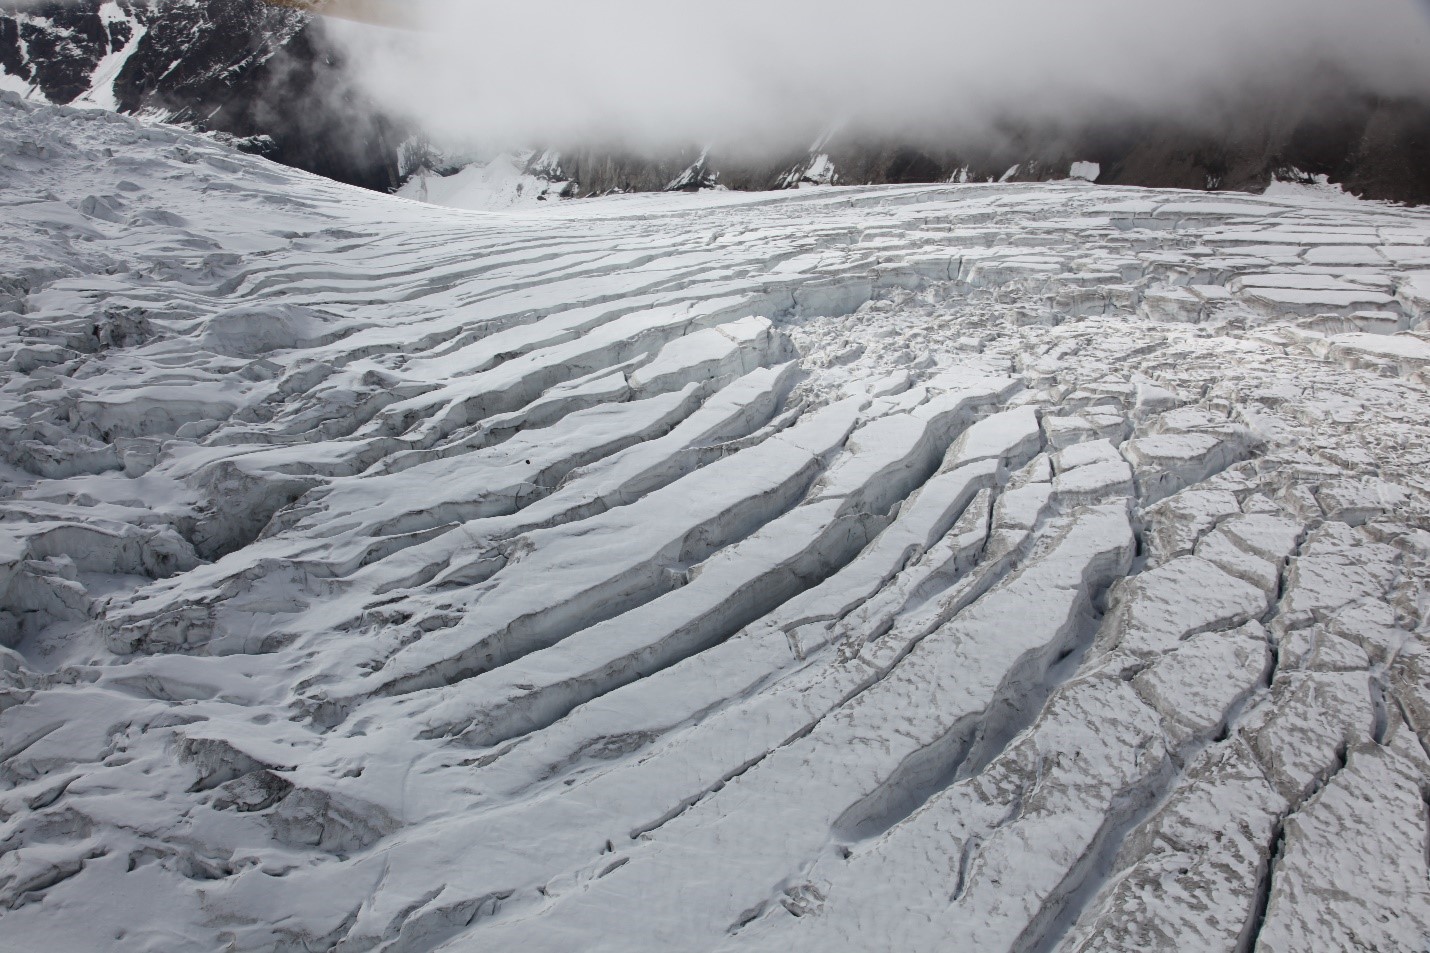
{"type": "Point", "coordinates": [1027, 567]}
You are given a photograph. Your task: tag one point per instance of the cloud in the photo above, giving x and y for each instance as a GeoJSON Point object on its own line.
{"type": "Point", "coordinates": [653, 74]}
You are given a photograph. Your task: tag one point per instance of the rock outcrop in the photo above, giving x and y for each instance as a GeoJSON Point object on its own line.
{"type": "Point", "coordinates": [266, 76]}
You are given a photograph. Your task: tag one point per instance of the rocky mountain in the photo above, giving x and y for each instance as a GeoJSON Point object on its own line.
{"type": "Point", "coordinates": [271, 77]}
{"type": "Point", "coordinates": [1375, 148]}
{"type": "Point", "coordinates": [265, 75]}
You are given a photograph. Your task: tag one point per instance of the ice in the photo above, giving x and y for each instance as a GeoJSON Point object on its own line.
{"type": "Point", "coordinates": [1023, 567]}
{"type": "Point", "coordinates": [1344, 879]}
{"type": "Point", "coordinates": [252, 332]}
{"type": "Point", "coordinates": [1182, 877]}
{"type": "Point", "coordinates": [1152, 612]}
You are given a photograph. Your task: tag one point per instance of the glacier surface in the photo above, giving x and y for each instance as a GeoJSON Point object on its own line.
{"type": "Point", "coordinates": [991, 567]}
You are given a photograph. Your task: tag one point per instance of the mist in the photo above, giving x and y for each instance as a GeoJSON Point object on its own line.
{"type": "Point", "coordinates": [654, 74]}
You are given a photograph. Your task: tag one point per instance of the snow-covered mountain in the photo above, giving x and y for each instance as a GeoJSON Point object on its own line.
{"type": "Point", "coordinates": [995, 567]}
{"type": "Point", "coordinates": [264, 74]}
{"type": "Point", "coordinates": [271, 77]}
{"type": "Point", "coordinates": [1373, 147]}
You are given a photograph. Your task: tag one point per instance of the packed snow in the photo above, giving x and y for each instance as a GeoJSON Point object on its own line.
{"type": "Point", "coordinates": [990, 567]}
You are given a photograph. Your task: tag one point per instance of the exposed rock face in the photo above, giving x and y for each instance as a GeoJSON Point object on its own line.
{"type": "Point", "coordinates": [263, 74]}
{"type": "Point", "coordinates": [57, 46]}
{"type": "Point", "coordinates": [1392, 159]}
{"type": "Point", "coordinates": [1376, 149]}
{"type": "Point", "coordinates": [268, 76]}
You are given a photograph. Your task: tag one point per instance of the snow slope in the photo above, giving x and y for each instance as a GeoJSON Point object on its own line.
{"type": "Point", "coordinates": [497, 185]}
{"type": "Point", "coordinates": [1010, 567]}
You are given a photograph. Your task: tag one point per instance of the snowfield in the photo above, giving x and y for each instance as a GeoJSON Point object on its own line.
{"type": "Point", "coordinates": [995, 568]}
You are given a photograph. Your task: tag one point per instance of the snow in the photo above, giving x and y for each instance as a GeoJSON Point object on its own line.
{"type": "Point", "coordinates": [842, 568]}
{"type": "Point", "coordinates": [1340, 849]}
{"type": "Point", "coordinates": [821, 171]}
{"type": "Point", "coordinates": [496, 185]}
{"type": "Point", "coordinates": [101, 85]}
{"type": "Point", "coordinates": [10, 83]}
{"type": "Point", "coordinates": [100, 94]}
{"type": "Point", "coordinates": [1319, 188]}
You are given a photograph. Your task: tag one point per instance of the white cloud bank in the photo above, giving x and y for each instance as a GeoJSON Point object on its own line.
{"type": "Point", "coordinates": [653, 73]}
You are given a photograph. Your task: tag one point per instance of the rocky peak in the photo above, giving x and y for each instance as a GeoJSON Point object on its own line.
{"type": "Point", "coordinates": [266, 75]}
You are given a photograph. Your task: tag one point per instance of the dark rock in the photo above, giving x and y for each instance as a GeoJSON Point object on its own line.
{"type": "Point", "coordinates": [1374, 148]}
{"type": "Point", "coordinates": [12, 57]}
{"type": "Point", "coordinates": [65, 42]}
{"type": "Point", "coordinates": [265, 76]}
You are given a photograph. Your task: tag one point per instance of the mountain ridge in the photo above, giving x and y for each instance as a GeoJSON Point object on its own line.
{"type": "Point", "coordinates": [273, 79]}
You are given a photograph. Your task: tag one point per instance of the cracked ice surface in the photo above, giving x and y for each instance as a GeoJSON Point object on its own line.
{"type": "Point", "coordinates": [1029, 568]}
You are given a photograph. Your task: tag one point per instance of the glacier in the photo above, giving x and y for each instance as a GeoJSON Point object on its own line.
{"type": "Point", "coordinates": [1020, 567]}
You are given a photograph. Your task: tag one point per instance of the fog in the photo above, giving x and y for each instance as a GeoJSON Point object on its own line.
{"type": "Point", "coordinates": [646, 73]}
